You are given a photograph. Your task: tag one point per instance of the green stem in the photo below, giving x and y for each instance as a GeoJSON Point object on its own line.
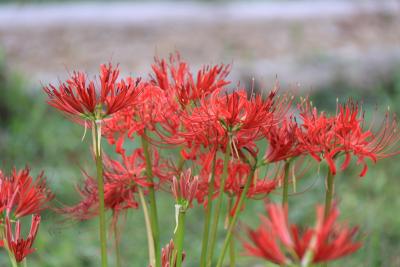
{"type": "Point", "coordinates": [116, 244]}
{"type": "Point", "coordinates": [235, 217]}
{"type": "Point", "coordinates": [214, 227]}
{"type": "Point", "coordinates": [150, 241]}
{"type": "Point", "coordinates": [152, 198]}
{"type": "Point", "coordinates": [329, 193]}
{"type": "Point", "coordinates": [180, 232]}
{"type": "Point", "coordinates": [207, 218]}
{"type": "Point", "coordinates": [100, 185]}
{"type": "Point", "coordinates": [285, 193]}
{"type": "Point", "coordinates": [330, 188]}
{"type": "Point", "coordinates": [232, 251]}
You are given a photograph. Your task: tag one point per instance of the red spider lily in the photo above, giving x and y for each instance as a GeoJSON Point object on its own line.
{"type": "Point", "coordinates": [119, 195]}
{"type": "Point", "coordinates": [238, 175]}
{"type": "Point", "coordinates": [222, 117]}
{"type": "Point", "coordinates": [184, 189]}
{"type": "Point", "coordinates": [280, 243]}
{"type": "Point", "coordinates": [121, 182]}
{"type": "Point", "coordinates": [80, 98]}
{"type": "Point", "coordinates": [364, 143]}
{"type": "Point", "coordinates": [167, 254]}
{"type": "Point", "coordinates": [20, 247]}
{"type": "Point", "coordinates": [163, 99]}
{"type": "Point", "coordinates": [329, 137]}
{"type": "Point", "coordinates": [282, 141]}
{"type": "Point", "coordinates": [20, 195]}
{"type": "Point", "coordinates": [177, 77]}
{"type": "Point", "coordinates": [154, 108]}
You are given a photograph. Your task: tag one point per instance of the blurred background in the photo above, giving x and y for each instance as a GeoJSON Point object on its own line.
{"type": "Point", "coordinates": [326, 49]}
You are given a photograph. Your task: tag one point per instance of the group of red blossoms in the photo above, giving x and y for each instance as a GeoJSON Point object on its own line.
{"type": "Point", "coordinates": [21, 196]}
{"type": "Point", "coordinates": [198, 115]}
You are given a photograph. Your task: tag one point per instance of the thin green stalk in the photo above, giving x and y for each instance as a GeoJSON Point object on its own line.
{"type": "Point", "coordinates": [150, 241]}
{"type": "Point", "coordinates": [235, 217]}
{"type": "Point", "coordinates": [232, 251]}
{"type": "Point", "coordinates": [285, 193]}
{"type": "Point", "coordinates": [153, 205]}
{"type": "Point", "coordinates": [207, 218]}
{"type": "Point", "coordinates": [180, 232]}
{"type": "Point", "coordinates": [330, 187]}
{"type": "Point", "coordinates": [116, 244]}
{"type": "Point", "coordinates": [100, 185]}
{"type": "Point", "coordinates": [214, 227]}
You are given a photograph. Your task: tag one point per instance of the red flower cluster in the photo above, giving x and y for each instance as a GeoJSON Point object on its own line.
{"type": "Point", "coordinates": [79, 97]}
{"type": "Point", "coordinates": [121, 182]}
{"type": "Point", "coordinates": [20, 247]}
{"type": "Point", "coordinates": [277, 241]}
{"type": "Point", "coordinates": [20, 196]}
{"type": "Point", "coordinates": [167, 255]}
{"type": "Point", "coordinates": [184, 189]}
{"type": "Point", "coordinates": [327, 137]}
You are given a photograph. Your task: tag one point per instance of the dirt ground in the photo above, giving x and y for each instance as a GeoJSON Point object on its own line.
{"type": "Point", "coordinates": [303, 47]}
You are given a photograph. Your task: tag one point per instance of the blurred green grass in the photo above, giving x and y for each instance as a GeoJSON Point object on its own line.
{"type": "Point", "coordinates": [33, 133]}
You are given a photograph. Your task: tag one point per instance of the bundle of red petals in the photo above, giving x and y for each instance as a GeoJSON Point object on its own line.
{"type": "Point", "coordinates": [279, 242]}
{"type": "Point", "coordinates": [328, 137]}
{"type": "Point", "coordinates": [80, 98]}
{"type": "Point", "coordinates": [21, 196]}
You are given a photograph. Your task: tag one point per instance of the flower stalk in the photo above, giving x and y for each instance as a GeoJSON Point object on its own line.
{"type": "Point", "coordinates": [116, 245]}
{"type": "Point", "coordinates": [152, 199]}
{"type": "Point", "coordinates": [234, 219]}
{"type": "Point", "coordinates": [285, 193]}
{"type": "Point", "coordinates": [232, 251]}
{"type": "Point", "coordinates": [100, 185]}
{"type": "Point", "coordinates": [330, 187]}
{"type": "Point", "coordinates": [207, 218]}
{"type": "Point", "coordinates": [150, 241]}
{"type": "Point", "coordinates": [214, 227]}
{"type": "Point", "coordinates": [179, 236]}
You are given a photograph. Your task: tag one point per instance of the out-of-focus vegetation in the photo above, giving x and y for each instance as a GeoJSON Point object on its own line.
{"type": "Point", "coordinates": [35, 134]}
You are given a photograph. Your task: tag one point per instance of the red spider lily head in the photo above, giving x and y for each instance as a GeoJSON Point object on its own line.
{"type": "Point", "coordinates": [365, 143]}
{"type": "Point", "coordinates": [21, 195]}
{"type": "Point", "coordinates": [119, 195]}
{"type": "Point", "coordinates": [18, 246]}
{"type": "Point", "coordinates": [277, 241]}
{"type": "Point", "coordinates": [130, 171]}
{"type": "Point", "coordinates": [231, 118]}
{"type": "Point", "coordinates": [184, 189]}
{"type": "Point", "coordinates": [344, 134]}
{"type": "Point", "coordinates": [80, 98]}
{"type": "Point", "coordinates": [236, 180]}
{"type": "Point", "coordinates": [282, 141]}
{"type": "Point", "coordinates": [238, 175]}
{"type": "Point", "coordinates": [175, 76]}
{"type": "Point", "coordinates": [332, 241]}
{"type": "Point", "coordinates": [167, 255]}
{"type": "Point", "coordinates": [87, 208]}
